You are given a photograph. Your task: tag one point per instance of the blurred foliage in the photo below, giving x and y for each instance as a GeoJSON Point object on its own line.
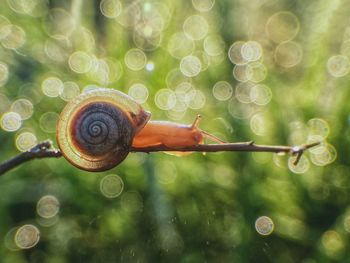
{"type": "Point", "coordinates": [272, 71]}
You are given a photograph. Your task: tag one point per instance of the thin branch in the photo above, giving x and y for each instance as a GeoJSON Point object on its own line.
{"type": "Point", "coordinates": [46, 150]}
{"type": "Point", "coordinates": [230, 147]}
{"type": "Point", "coordinates": [41, 150]}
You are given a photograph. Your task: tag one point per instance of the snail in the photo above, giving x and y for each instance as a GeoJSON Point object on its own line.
{"type": "Point", "coordinates": [97, 129]}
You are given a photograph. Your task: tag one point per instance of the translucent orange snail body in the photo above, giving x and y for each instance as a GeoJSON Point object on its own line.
{"type": "Point", "coordinates": [172, 135]}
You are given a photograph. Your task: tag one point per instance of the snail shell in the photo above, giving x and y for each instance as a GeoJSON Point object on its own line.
{"type": "Point", "coordinates": [96, 129]}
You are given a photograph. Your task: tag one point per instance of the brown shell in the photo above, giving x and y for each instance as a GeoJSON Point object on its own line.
{"type": "Point", "coordinates": [96, 129]}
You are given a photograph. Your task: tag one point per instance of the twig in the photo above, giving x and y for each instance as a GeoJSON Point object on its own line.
{"type": "Point", "coordinates": [46, 150]}
{"type": "Point", "coordinates": [41, 150]}
{"type": "Point", "coordinates": [231, 147]}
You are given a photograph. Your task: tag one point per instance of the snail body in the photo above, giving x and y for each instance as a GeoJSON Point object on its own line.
{"type": "Point", "coordinates": [97, 129]}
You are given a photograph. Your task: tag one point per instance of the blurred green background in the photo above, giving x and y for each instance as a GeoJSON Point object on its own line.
{"type": "Point", "coordinates": [272, 71]}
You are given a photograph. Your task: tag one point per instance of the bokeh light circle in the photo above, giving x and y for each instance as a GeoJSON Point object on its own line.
{"type": "Point", "coordinates": [180, 45]}
{"type": "Point", "coordinates": [135, 59]}
{"type": "Point", "coordinates": [52, 87]}
{"type": "Point", "coordinates": [288, 54]}
{"type": "Point", "coordinates": [111, 8]}
{"type": "Point", "coordinates": [48, 206]}
{"type": "Point", "coordinates": [70, 91]}
{"type": "Point", "coordinates": [203, 5]}
{"type": "Point", "coordinates": [338, 66]}
{"type": "Point", "coordinates": [196, 27]}
{"type": "Point", "coordinates": [190, 66]}
{"type": "Point", "coordinates": [264, 225]}
{"type": "Point", "coordinates": [111, 186]}
{"type": "Point", "coordinates": [222, 90]}
{"type": "Point", "coordinates": [80, 62]}
{"type": "Point", "coordinates": [4, 73]}
{"type": "Point", "coordinates": [23, 107]}
{"type": "Point", "coordinates": [282, 26]}
{"type": "Point", "coordinates": [26, 141]}
{"type": "Point", "coordinates": [11, 121]}
{"type": "Point", "coordinates": [165, 99]}
{"type": "Point", "coordinates": [138, 92]}
{"type": "Point", "coordinates": [27, 236]}
{"type": "Point", "coordinates": [48, 121]}
{"type": "Point", "coordinates": [301, 167]}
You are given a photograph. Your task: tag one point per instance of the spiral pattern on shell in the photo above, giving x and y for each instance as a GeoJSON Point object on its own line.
{"type": "Point", "coordinates": [95, 131]}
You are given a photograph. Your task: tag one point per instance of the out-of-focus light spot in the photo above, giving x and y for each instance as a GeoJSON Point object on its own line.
{"type": "Point", "coordinates": [204, 59]}
{"type": "Point", "coordinates": [9, 240]}
{"type": "Point", "coordinates": [251, 51]}
{"type": "Point", "coordinates": [183, 94]}
{"type": "Point", "coordinates": [34, 8]}
{"type": "Point", "coordinates": [282, 26]}
{"type": "Point", "coordinates": [333, 243]}
{"type": "Point", "coordinates": [80, 62]}
{"type": "Point", "coordinates": [23, 107]}
{"type": "Point", "coordinates": [11, 121]}
{"type": "Point", "coordinates": [100, 72]}
{"type": "Point", "coordinates": [301, 167]}
{"type": "Point", "coordinates": [150, 42]}
{"type": "Point", "coordinates": [4, 103]}
{"type": "Point", "coordinates": [258, 124]}
{"type": "Point", "coordinates": [197, 100]}
{"type": "Point", "coordinates": [26, 141]}
{"type": "Point", "coordinates": [15, 38]}
{"type": "Point", "coordinates": [345, 48]}
{"type": "Point", "coordinates": [4, 73]}
{"type": "Point", "coordinates": [243, 92]}
{"type": "Point", "coordinates": [190, 66]}
{"type": "Point", "coordinates": [115, 70]}
{"type": "Point", "coordinates": [214, 45]}
{"type": "Point", "coordinates": [131, 14]}
{"type": "Point", "coordinates": [31, 92]}
{"type": "Point", "coordinates": [70, 90]}
{"type": "Point", "coordinates": [131, 202]}
{"type": "Point", "coordinates": [111, 186]}
{"type": "Point", "coordinates": [4, 29]}
{"type": "Point", "coordinates": [52, 87]}
{"type": "Point", "coordinates": [196, 27]}
{"type": "Point", "coordinates": [222, 90]}
{"type": "Point", "coordinates": [59, 22]}
{"type": "Point", "coordinates": [150, 66]}
{"type": "Point", "coordinates": [27, 236]}
{"type": "Point", "coordinates": [165, 172]}
{"type": "Point", "coordinates": [240, 110]}
{"type": "Point", "coordinates": [313, 138]}
{"type": "Point", "coordinates": [256, 71]}
{"type": "Point", "coordinates": [346, 223]}
{"type": "Point", "coordinates": [138, 92]}
{"type": "Point", "coordinates": [57, 49]}
{"type": "Point", "coordinates": [325, 154]}
{"type": "Point", "coordinates": [48, 206]}
{"type": "Point", "coordinates": [180, 45]}
{"type": "Point", "coordinates": [48, 122]}
{"type": "Point", "coordinates": [260, 94]}
{"type": "Point", "coordinates": [288, 54]}
{"type": "Point", "coordinates": [318, 127]}
{"type": "Point", "coordinates": [242, 73]}
{"type": "Point", "coordinates": [175, 77]}
{"type": "Point", "coordinates": [111, 8]}
{"type": "Point", "coordinates": [135, 59]}
{"type": "Point", "coordinates": [165, 99]}
{"type": "Point", "coordinates": [83, 39]}
{"type": "Point", "coordinates": [338, 66]}
{"type": "Point", "coordinates": [264, 225]}
{"type": "Point", "coordinates": [203, 5]}
{"type": "Point", "coordinates": [235, 53]}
